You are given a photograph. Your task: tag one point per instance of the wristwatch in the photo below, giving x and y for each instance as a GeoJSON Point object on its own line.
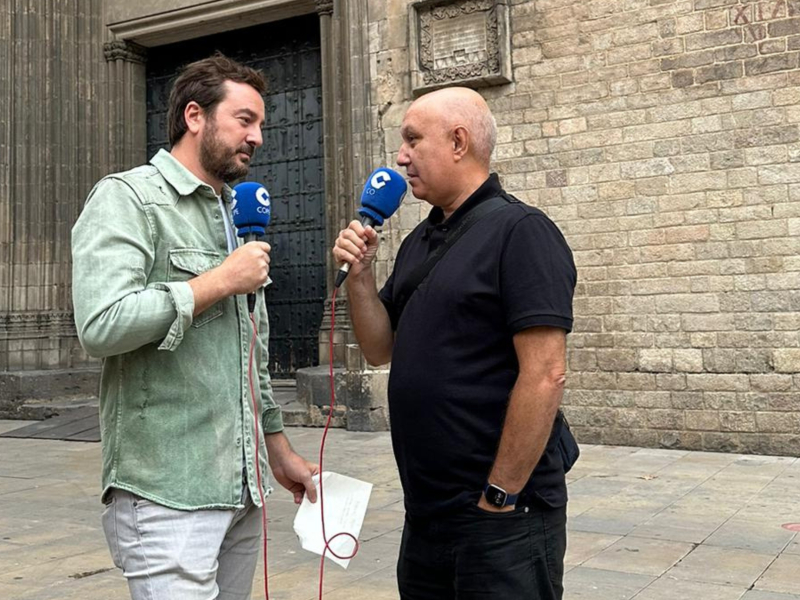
{"type": "Point", "coordinates": [498, 497]}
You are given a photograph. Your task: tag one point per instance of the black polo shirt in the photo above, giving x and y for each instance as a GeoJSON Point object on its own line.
{"type": "Point", "coordinates": [454, 363]}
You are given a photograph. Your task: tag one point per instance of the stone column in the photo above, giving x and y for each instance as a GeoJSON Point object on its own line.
{"type": "Point", "coordinates": [127, 103]}
{"type": "Point", "coordinates": [53, 147]}
{"type": "Point", "coordinates": [338, 179]}
{"type": "Point", "coordinates": [360, 390]}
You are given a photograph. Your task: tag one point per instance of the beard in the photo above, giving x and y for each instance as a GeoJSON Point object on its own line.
{"type": "Point", "coordinates": [220, 160]}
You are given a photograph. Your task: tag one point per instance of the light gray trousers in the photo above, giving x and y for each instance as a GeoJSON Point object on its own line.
{"type": "Point", "coordinates": [168, 554]}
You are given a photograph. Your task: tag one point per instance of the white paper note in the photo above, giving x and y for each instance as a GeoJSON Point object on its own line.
{"type": "Point", "coordinates": [346, 502]}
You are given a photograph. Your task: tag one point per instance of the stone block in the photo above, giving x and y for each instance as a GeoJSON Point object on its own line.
{"type": "Point", "coordinates": [720, 442]}
{"type": "Point", "coordinates": [716, 19]}
{"type": "Point", "coordinates": [696, 182]}
{"type": "Point", "coordinates": [689, 23]}
{"type": "Point", "coordinates": [671, 381]}
{"type": "Point", "coordinates": [737, 421]}
{"type": "Point", "coordinates": [725, 37]}
{"type": "Point", "coordinates": [646, 168]}
{"type": "Point", "coordinates": [731, 70]}
{"type": "Point", "coordinates": [616, 360]}
{"type": "Point", "coordinates": [556, 178]}
{"type": "Point", "coordinates": [701, 5]}
{"type": "Point", "coordinates": [766, 229]}
{"type": "Point", "coordinates": [688, 360]}
{"type": "Point", "coordinates": [658, 81]}
{"type": "Point", "coordinates": [683, 78]}
{"type": "Point", "coordinates": [713, 382]}
{"type": "Point", "coordinates": [17, 387]}
{"type": "Point", "coordinates": [731, 53]}
{"type": "Point", "coordinates": [765, 155]}
{"type": "Point", "coordinates": [754, 32]}
{"type": "Point", "coordinates": [778, 422]}
{"type": "Point", "coordinates": [787, 360]}
{"type": "Point", "coordinates": [665, 419]}
{"type": "Point", "coordinates": [772, 46]}
{"type": "Point", "coordinates": [770, 64]}
{"type": "Point", "coordinates": [771, 382]}
{"type": "Point", "coordinates": [652, 400]}
{"type": "Point", "coordinates": [668, 47]}
{"type": "Point", "coordinates": [313, 386]}
{"type": "Point", "coordinates": [702, 420]}
{"type": "Point", "coordinates": [687, 400]}
{"type": "Point", "coordinates": [368, 420]}
{"type": "Point", "coordinates": [784, 27]}
{"type": "Point", "coordinates": [667, 28]}
{"type": "Point", "coordinates": [655, 360]}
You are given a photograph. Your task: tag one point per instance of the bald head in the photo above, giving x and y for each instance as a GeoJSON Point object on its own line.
{"type": "Point", "coordinates": [463, 107]}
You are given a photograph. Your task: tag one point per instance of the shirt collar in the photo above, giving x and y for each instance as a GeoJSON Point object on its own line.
{"type": "Point", "coordinates": [488, 189]}
{"type": "Point", "coordinates": [182, 179]}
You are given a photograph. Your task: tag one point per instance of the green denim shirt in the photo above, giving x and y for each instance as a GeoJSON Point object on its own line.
{"type": "Point", "coordinates": [175, 409]}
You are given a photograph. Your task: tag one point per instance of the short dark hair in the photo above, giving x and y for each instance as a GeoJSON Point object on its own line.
{"type": "Point", "coordinates": [203, 82]}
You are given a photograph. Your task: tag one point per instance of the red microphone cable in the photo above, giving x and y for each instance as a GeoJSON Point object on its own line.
{"type": "Point", "coordinates": [321, 456]}
{"type": "Point", "coordinates": [264, 522]}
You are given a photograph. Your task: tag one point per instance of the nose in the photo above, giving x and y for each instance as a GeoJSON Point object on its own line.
{"type": "Point", "coordinates": [402, 156]}
{"type": "Point", "coordinates": [254, 137]}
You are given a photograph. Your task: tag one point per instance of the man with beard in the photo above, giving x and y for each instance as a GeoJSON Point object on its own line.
{"type": "Point", "coordinates": [159, 287]}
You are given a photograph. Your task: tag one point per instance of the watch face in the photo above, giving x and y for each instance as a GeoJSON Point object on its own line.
{"type": "Point", "coordinates": [496, 496]}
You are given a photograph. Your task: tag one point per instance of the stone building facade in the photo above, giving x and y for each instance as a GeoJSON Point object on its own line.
{"type": "Point", "coordinates": [660, 135]}
{"type": "Point", "coordinates": [55, 141]}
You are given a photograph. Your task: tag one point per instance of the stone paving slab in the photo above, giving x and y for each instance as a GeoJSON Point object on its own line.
{"type": "Point", "coordinates": [644, 523]}
{"type": "Point", "coordinates": [641, 555]}
{"type": "Point", "coordinates": [669, 588]}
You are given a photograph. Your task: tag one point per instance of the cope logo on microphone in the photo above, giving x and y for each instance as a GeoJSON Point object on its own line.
{"type": "Point", "coordinates": [379, 180]}
{"type": "Point", "coordinates": [262, 195]}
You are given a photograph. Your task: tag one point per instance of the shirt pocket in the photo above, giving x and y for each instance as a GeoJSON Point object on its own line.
{"type": "Point", "coordinates": [188, 263]}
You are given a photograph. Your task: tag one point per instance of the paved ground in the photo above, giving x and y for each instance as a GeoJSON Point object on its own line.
{"type": "Point", "coordinates": [644, 524]}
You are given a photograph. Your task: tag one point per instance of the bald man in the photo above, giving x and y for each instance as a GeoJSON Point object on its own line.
{"type": "Point", "coordinates": [478, 366]}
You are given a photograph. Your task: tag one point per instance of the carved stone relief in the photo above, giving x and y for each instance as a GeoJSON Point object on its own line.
{"type": "Point", "coordinates": [324, 7]}
{"type": "Point", "coordinates": [463, 42]}
{"type": "Point", "coordinates": [125, 51]}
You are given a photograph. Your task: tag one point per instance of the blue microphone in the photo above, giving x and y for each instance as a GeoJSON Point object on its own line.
{"type": "Point", "coordinates": [251, 212]}
{"type": "Point", "coordinates": [382, 195]}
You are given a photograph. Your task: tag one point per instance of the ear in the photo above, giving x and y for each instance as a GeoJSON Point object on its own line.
{"type": "Point", "coordinates": [194, 116]}
{"type": "Point", "coordinates": [460, 138]}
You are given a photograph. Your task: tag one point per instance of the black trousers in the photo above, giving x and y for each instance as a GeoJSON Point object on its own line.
{"type": "Point", "coordinates": [476, 555]}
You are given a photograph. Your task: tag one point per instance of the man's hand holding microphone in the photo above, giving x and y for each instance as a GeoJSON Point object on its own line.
{"type": "Point", "coordinates": [355, 249]}
{"type": "Point", "coordinates": [246, 269]}
{"type": "Point", "coordinates": [357, 245]}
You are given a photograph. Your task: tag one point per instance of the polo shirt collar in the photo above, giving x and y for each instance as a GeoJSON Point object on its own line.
{"type": "Point", "coordinates": [182, 179]}
{"type": "Point", "coordinates": [488, 189]}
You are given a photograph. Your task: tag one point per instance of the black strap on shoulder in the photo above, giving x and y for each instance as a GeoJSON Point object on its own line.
{"type": "Point", "coordinates": [419, 274]}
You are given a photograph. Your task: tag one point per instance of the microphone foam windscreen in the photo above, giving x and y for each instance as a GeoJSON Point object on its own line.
{"type": "Point", "coordinates": [382, 195]}
{"type": "Point", "coordinates": [251, 208]}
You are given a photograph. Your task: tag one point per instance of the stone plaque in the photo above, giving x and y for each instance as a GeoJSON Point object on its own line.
{"type": "Point", "coordinates": [459, 42]}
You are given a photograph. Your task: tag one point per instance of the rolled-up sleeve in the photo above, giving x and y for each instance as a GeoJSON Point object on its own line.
{"type": "Point", "coordinates": [113, 250]}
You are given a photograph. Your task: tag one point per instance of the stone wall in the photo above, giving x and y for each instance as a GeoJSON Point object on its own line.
{"type": "Point", "coordinates": [662, 137]}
